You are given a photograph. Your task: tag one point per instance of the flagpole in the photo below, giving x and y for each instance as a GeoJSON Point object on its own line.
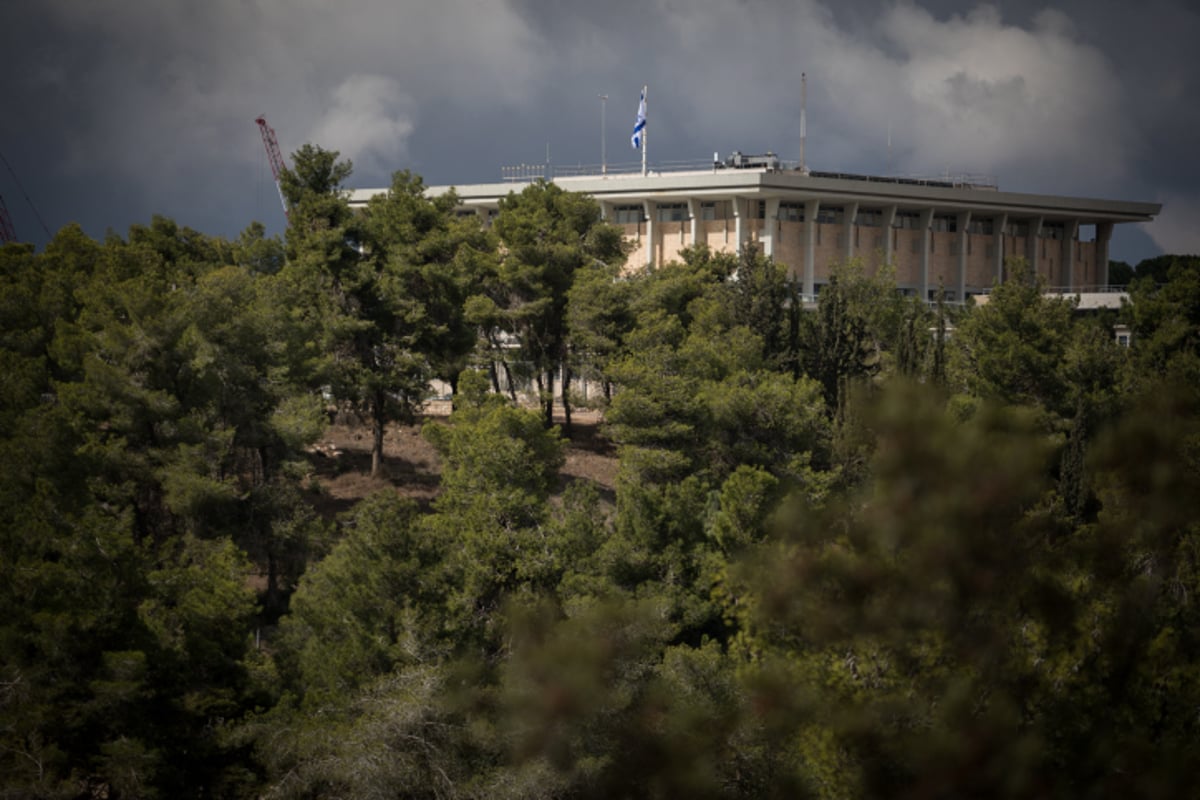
{"type": "Point", "coordinates": [644, 137]}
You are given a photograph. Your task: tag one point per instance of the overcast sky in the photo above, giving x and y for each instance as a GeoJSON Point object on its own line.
{"type": "Point", "coordinates": [116, 110]}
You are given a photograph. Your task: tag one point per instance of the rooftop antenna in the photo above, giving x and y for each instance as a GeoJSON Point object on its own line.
{"type": "Point", "coordinates": [603, 154]}
{"type": "Point", "coordinates": [803, 134]}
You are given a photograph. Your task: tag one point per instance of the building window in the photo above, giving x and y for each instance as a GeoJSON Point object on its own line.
{"type": "Point", "coordinates": [945, 223]}
{"type": "Point", "coordinates": [791, 212]}
{"type": "Point", "coordinates": [831, 215]}
{"type": "Point", "coordinates": [1018, 229]}
{"type": "Point", "coordinates": [628, 215]}
{"type": "Point", "coordinates": [672, 212]}
{"type": "Point", "coordinates": [981, 225]}
{"type": "Point", "coordinates": [1052, 230]}
{"type": "Point", "coordinates": [907, 220]}
{"type": "Point", "coordinates": [870, 219]}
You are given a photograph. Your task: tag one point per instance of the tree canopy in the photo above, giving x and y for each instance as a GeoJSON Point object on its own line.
{"type": "Point", "coordinates": [863, 547]}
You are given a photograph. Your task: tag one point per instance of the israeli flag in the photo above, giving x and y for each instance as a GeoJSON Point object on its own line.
{"type": "Point", "coordinates": [640, 124]}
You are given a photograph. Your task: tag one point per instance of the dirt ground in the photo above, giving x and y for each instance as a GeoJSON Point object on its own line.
{"type": "Point", "coordinates": [341, 461]}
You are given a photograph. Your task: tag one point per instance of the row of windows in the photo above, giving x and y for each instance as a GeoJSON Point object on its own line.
{"type": "Point", "coordinates": [833, 215]}
{"type": "Point", "coordinates": [948, 295]}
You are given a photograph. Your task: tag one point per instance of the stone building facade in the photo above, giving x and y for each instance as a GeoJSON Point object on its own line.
{"type": "Point", "coordinates": [953, 234]}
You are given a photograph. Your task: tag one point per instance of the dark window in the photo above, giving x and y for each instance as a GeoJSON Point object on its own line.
{"type": "Point", "coordinates": [945, 223]}
{"type": "Point", "coordinates": [831, 215]}
{"type": "Point", "coordinates": [791, 212]}
{"type": "Point", "coordinates": [672, 212]}
{"type": "Point", "coordinates": [981, 225]}
{"type": "Point", "coordinates": [626, 215]}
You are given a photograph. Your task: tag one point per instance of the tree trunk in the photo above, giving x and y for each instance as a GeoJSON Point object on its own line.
{"type": "Point", "coordinates": [271, 603]}
{"type": "Point", "coordinates": [494, 375]}
{"type": "Point", "coordinates": [263, 456]}
{"type": "Point", "coordinates": [539, 379]}
{"type": "Point", "coordinates": [566, 399]}
{"type": "Point", "coordinates": [378, 425]}
{"type": "Point", "coordinates": [512, 388]}
{"type": "Point", "coordinates": [545, 387]}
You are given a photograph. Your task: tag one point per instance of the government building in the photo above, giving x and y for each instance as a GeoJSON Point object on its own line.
{"type": "Point", "coordinates": [952, 233]}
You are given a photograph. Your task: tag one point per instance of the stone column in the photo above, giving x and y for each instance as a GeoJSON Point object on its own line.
{"type": "Point", "coordinates": [1070, 238]}
{"type": "Point", "coordinates": [851, 210]}
{"type": "Point", "coordinates": [739, 229]}
{"type": "Point", "coordinates": [963, 222]}
{"type": "Point", "coordinates": [1103, 235]}
{"type": "Point", "coordinates": [1000, 222]}
{"type": "Point", "coordinates": [694, 217]}
{"type": "Point", "coordinates": [651, 208]}
{"type": "Point", "coordinates": [770, 230]}
{"type": "Point", "coordinates": [811, 207]}
{"type": "Point", "coordinates": [889, 219]}
{"type": "Point", "coordinates": [1032, 245]}
{"type": "Point", "coordinates": [925, 222]}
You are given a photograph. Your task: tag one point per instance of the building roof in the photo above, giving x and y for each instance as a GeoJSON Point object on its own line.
{"type": "Point", "coordinates": [827, 188]}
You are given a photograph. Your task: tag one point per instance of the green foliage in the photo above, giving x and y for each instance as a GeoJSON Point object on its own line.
{"type": "Point", "coordinates": [498, 461]}
{"type": "Point", "coordinates": [599, 317]}
{"type": "Point", "coordinates": [1120, 273]}
{"type": "Point", "coordinates": [357, 614]}
{"type": "Point", "coordinates": [844, 340]}
{"type": "Point", "coordinates": [817, 576]}
{"type": "Point", "coordinates": [698, 392]}
{"type": "Point", "coordinates": [546, 235]}
{"type": "Point", "coordinates": [1166, 322]}
{"type": "Point", "coordinates": [499, 467]}
{"type": "Point", "coordinates": [1157, 270]}
{"type": "Point", "coordinates": [1010, 350]}
{"type": "Point", "coordinates": [949, 639]}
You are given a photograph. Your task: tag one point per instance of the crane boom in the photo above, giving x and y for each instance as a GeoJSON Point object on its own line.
{"type": "Point", "coordinates": [275, 158]}
{"type": "Point", "coordinates": [7, 233]}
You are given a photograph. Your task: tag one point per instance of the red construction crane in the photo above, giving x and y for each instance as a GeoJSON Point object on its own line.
{"type": "Point", "coordinates": [7, 234]}
{"type": "Point", "coordinates": [276, 159]}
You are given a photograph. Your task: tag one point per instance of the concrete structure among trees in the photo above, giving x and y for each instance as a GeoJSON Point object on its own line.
{"type": "Point", "coordinates": [955, 234]}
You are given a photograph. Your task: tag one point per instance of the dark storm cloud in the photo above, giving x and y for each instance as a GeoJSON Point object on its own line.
{"type": "Point", "coordinates": [132, 108]}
